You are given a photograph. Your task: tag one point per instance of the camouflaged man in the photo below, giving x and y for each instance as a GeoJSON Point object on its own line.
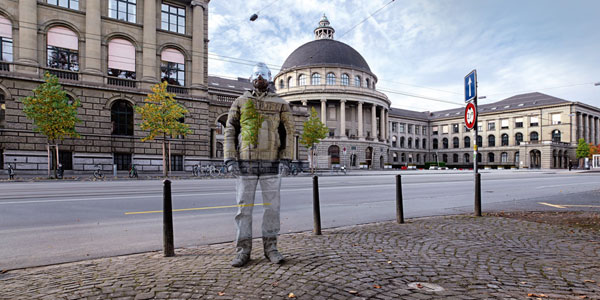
{"type": "Point", "coordinates": [258, 161]}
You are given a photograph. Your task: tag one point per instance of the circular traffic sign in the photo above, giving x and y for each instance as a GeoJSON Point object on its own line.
{"type": "Point", "coordinates": [470, 115]}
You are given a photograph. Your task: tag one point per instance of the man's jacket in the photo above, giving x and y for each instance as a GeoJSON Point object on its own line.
{"type": "Point", "coordinates": [276, 135]}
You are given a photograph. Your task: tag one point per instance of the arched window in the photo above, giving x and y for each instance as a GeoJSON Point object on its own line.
{"type": "Point", "coordinates": [445, 143]}
{"type": "Point", "coordinates": [518, 138]}
{"type": "Point", "coordinates": [445, 158]}
{"type": "Point", "coordinates": [517, 158]}
{"type": "Point", "coordinates": [556, 136]}
{"type": "Point", "coordinates": [435, 144]}
{"type": "Point", "coordinates": [6, 42]}
{"type": "Point", "coordinates": [424, 143]}
{"type": "Point", "coordinates": [478, 157]}
{"type": "Point", "coordinates": [172, 67]}
{"type": "Point", "coordinates": [395, 156]}
{"type": "Point", "coordinates": [403, 157]}
{"type": "Point", "coordinates": [401, 142]}
{"type": "Point", "coordinates": [2, 113]}
{"type": "Point", "coordinates": [466, 158]}
{"type": "Point", "coordinates": [455, 143]}
{"type": "Point", "coordinates": [357, 81]}
{"type": "Point", "coordinates": [409, 142]}
{"type": "Point", "coordinates": [345, 79]}
{"type": "Point", "coordinates": [368, 82]}
{"type": "Point", "coordinates": [62, 49]}
{"type": "Point", "coordinates": [491, 140]}
{"type": "Point", "coordinates": [394, 143]}
{"type": "Point", "coordinates": [315, 79]}
{"type": "Point", "coordinates": [454, 158]}
{"type": "Point", "coordinates": [334, 153]}
{"type": "Point", "coordinates": [504, 139]}
{"type": "Point", "coordinates": [479, 141]}
{"type": "Point", "coordinates": [121, 59]}
{"type": "Point", "coordinates": [219, 128]}
{"type": "Point", "coordinates": [417, 143]}
{"type": "Point", "coordinates": [533, 136]}
{"type": "Point", "coordinates": [301, 80]}
{"type": "Point", "coordinates": [490, 157]}
{"type": "Point", "coordinates": [467, 142]}
{"type": "Point", "coordinates": [219, 151]}
{"type": "Point", "coordinates": [281, 85]}
{"type": "Point", "coordinates": [290, 82]}
{"type": "Point", "coordinates": [121, 116]}
{"type": "Point", "coordinates": [330, 79]}
{"type": "Point", "coordinates": [504, 157]}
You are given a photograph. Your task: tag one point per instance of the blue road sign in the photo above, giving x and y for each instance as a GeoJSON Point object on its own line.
{"type": "Point", "coordinates": [471, 86]}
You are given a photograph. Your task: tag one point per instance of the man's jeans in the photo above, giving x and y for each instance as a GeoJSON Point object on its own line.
{"type": "Point", "coordinates": [246, 189]}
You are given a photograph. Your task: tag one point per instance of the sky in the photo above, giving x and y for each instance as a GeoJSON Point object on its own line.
{"type": "Point", "coordinates": [421, 50]}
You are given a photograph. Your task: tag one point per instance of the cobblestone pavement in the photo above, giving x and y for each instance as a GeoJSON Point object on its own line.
{"type": "Point", "coordinates": [470, 258]}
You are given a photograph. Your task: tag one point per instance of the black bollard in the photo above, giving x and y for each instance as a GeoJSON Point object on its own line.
{"type": "Point", "coordinates": [168, 244]}
{"type": "Point", "coordinates": [316, 206]}
{"type": "Point", "coordinates": [399, 207]}
{"type": "Point", "coordinates": [478, 195]}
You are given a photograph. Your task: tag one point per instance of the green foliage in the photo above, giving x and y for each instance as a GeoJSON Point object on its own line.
{"type": "Point", "coordinates": [250, 121]}
{"type": "Point", "coordinates": [583, 149]}
{"type": "Point", "coordinates": [433, 163]}
{"type": "Point", "coordinates": [50, 110]}
{"type": "Point", "coordinates": [314, 130]}
{"type": "Point", "coordinates": [161, 114]}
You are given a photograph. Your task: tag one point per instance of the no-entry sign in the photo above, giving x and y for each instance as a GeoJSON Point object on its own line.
{"type": "Point", "coordinates": [470, 115]}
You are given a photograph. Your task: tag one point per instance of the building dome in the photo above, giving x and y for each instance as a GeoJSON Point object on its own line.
{"type": "Point", "coordinates": [325, 52]}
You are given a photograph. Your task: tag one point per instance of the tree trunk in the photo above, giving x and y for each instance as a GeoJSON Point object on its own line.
{"type": "Point", "coordinates": [312, 160]}
{"type": "Point", "coordinates": [163, 156]}
{"type": "Point", "coordinates": [169, 159]}
{"type": "Point", "coordinates": [49, 158]}
{"type": "Point", "coordinates": [57, 162]}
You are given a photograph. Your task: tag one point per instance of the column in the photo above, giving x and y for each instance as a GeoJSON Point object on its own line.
{"type": "Point", "coordinates": [586, 127]}
{"type": "Point", "coordinates": [597, 141]}
{"type": "Point", "coordinates": [361, 135]}
{"type": "Point", "coordinates": [324, 111]}
{"type": "Point", "coordinates": [149, 38]}
{"type": "Point", "coordinates": [387, 125]}
{"type": "Point", "coordinates": [590, 129]}
{"type": "Point", "coordinates": [374, 122]}
{"type": "Point", "coordinates": [198, 46]}
{"type": "Point", "coordinates": [579, 127]}
{"type": "Point", "coordinates": [343, 118]}
{"type": "Point", "coordinates": [93, 61]}
{"type": "Point", "coordinates": [28, 33]}
{"type": "Point", "coordinates": [382, 124]}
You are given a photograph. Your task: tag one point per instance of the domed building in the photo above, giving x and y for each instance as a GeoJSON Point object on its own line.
{"type": "Point", "coordinates": [338, 83]}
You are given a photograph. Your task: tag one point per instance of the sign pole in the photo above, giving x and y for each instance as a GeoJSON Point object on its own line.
{"type": "Point", "coordinates": [476, 173]}
{"type": "Point", "coordinates": [471, 117]}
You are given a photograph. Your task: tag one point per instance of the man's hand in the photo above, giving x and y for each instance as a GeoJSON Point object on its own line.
{"type": "Point", "coordinates": [233, 167]}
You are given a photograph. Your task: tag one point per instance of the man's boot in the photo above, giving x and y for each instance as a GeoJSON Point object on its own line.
{"type": "Point", "coordinates": [270, 246]}
{"type": "Point", "coordinates": [242, 256]}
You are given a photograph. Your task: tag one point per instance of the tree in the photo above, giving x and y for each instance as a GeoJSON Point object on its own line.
{"type": "Point", "coordinates": [583, 151]}
{"type": "Point", "coordinates": [594, 149]}
{"type": "Point", "coordinates": [314, 131]}
{"type": "Point", "coordinates": [161, 116]}
{"type": "Point", "coordinates": [52, 114]}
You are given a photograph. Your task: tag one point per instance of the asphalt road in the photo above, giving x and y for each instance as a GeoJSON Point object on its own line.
{"type": "Point", "coordinates": [52, 222]}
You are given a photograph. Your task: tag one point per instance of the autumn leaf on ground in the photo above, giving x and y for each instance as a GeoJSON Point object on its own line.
{"type": "Point", "coordinates": [389, 261]}
{"type": "Point", "coordinates": [583, 297]}
{"type": "Point", "coordinates": [377, 286]}
{"type": "Point", "coordinates": [589, 281]}
{"type": "Point", "coordinates": [419, 285]}
{"type": "Point", "coordinates": [379, 251]}
{"type": "Point", "coordinates": [291, 295]}
{"type": "Point", "coordinates": [537, 295]}
{"type": "Point", "coordinates": [353, 292]}
{"type": "Point", "coordinates": [221, 293]}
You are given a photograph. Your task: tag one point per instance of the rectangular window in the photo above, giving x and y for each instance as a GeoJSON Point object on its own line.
{"type": "Point", "coordinates": [176, 162]}
{"type": "Point", "coordinates": [454, 128]}
{"type": "Point", "coordinates": [123, 161]}
{"type": "Point", "coordinates": [491, 126]}
{"type": "Point", "coordinates": [479, 126]}
{"type": "Point", "coordinates": [72, 4]}
{"type": "Point", "coordinates": [402, 125]}
{"type": "Point", "coordinates": [555, 119]}
{"type": "Point", "coordinates": [124, 10]}
{"type": "Point", "coordinates": [424, 131]}
{"type": "Point", "coordinates": [445, 129]}
{"type": "Point", "coordinates": [434, 130]}
{"type": "Point", "coordinates": [534, 121]}
{"type": "Point", "coordinates": [519, 122]}
{"type": "Point", "coordinates": [417, 129]}
{"type": "Point", "coordinates": [6, 49]}
{"type": "Point", "coordinates": [64, 59]}
{"type": "Point", "coordinates": [410, 127]}
{"type": "Point", "coordinates": [172, 18]}
{"type": "Point", "coordinates": [394, 126]}
{"type": "Point", "coordinates": [173, 73]}
{"type": "Point", "coordinates": [504, 124]}
{"type": "Point", "coordinates": [331, 132]}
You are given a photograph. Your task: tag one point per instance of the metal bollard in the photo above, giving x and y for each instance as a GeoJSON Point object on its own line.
{"type": "Point", "coordinates": [399, 207]}
{"type": "Point", "coordinates": [168, 244]}
{"type": "Point", "coordinates": [478, 195]}
{"type": "Point", "coordinates": [316, 206]}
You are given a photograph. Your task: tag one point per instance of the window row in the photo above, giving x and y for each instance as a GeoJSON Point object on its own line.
{"type": "Point", "coordinates": [491, 139]}
{"type": "Point", "coordinates": [330, 79]}
{"type": "Point", "coordinates": [172, 18]}
{"type": "Point", "coordinates": [409, 143]}
{"type": "Point", "coordinates": [408, 128]}
{"type": "Point", "coordinates": [534, 121]}
{"type": "Point", "coordinates": [407, 158]}
{"type": "Point", "coordinates": [467, 158]}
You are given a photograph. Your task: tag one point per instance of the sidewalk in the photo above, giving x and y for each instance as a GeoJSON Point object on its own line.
{"type": "Point", "coordinates": [458, 257]}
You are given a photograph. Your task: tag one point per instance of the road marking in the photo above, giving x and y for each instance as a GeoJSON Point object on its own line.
{"type": "Point", "coordinates": [197, 208]}
{"type": "Point", "coordinates": [552, 205]}
{"type": "Point", "coordinates": [557, 185]}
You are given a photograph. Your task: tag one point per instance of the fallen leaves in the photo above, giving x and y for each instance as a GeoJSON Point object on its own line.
{"type": "Point", "coordinates": [589, 281]}
{"type": "Point", "coordinates": [291, 295]}
{"type": "Point", "coordinates": [389, 261]}
{"type": "Point", "coordinates": [537, 295]}
{"type": "Point", "coordinates": [377, 286]}
{"type": "Point", "coordinates": [353, 292]}
{"type": "Point", "coordinates": [221, 294]}
{"type": "Point", "coordinates": [419, 285]}
{"type": "Point", "coordinates": [379, 250]}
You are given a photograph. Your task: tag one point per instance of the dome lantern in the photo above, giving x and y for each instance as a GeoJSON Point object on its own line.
{"type": "Point", "coordinates": [324, 31]}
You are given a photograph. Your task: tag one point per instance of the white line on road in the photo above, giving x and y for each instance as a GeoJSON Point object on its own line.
{"type": "Point", "coordinates": [552, 186]}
